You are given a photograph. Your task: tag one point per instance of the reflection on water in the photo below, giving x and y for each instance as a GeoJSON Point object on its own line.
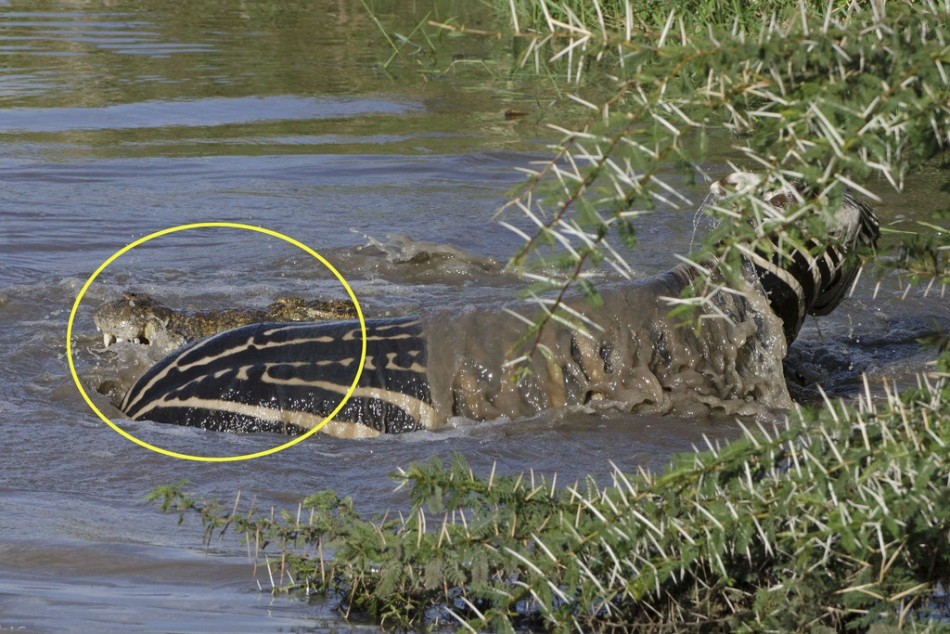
{"type": "Point", "coordinates": [120, 118]}
{"type": "Point", "coordinates": [193, 113]}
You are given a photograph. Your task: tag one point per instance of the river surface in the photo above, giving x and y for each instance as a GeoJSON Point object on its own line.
{"type": "Point", "coordinates": [120, 119]}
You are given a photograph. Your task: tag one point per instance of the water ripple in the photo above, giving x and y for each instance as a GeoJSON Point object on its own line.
{"type": "Point", "coordinates": [195, 113]}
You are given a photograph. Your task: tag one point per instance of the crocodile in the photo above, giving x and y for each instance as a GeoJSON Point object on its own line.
{"type": "Point", "coordinates": [140, 318]}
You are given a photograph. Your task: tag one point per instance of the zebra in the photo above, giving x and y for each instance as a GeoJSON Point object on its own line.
{"type": "Point", "coordinates": [422, 370]}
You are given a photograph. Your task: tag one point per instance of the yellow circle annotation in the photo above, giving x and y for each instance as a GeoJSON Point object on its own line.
{"type": "Point", "coordinates": [204, 225]}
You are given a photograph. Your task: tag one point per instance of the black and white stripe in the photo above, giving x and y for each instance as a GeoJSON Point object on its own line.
{"type": "Point", "coordinates": [288, 377]}
{"type": "Point", "coordinates": [811, 279]}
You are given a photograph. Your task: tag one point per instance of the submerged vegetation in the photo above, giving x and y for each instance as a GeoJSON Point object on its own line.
{"type": "Point", "coordinates": [839, 518]}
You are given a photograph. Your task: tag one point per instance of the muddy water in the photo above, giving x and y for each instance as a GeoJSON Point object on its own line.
{"type": "Point", "coordinates": [121, 119]}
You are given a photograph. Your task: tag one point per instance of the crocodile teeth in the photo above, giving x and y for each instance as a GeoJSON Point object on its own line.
{"type": "Point", "coordinates": [107, 339]}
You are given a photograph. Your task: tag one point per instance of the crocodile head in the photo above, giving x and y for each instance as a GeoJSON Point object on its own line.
{"type": "Point", "coordinates": [134, 317]}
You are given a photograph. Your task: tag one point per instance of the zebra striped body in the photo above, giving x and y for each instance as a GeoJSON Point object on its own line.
{"type": "Point", "coordinates": [419, 372]}
{"type": "Point", "coordinates": [286, 377]}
